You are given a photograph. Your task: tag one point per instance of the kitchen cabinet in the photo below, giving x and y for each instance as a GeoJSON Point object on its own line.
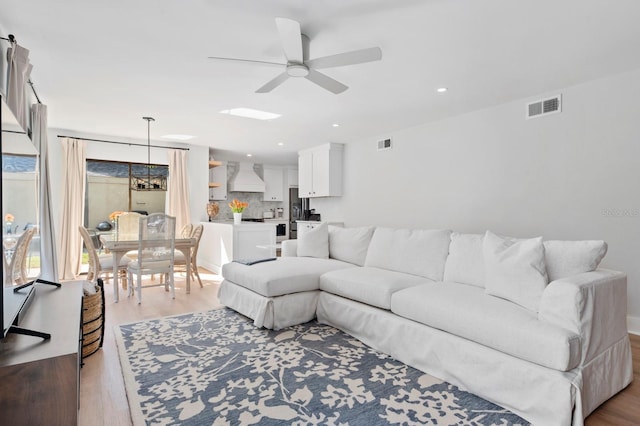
{"type": "Point", "coordinates": [217, 180]}
{"type": "Point", "coordinates": [306, 226]}
{"type": "Point", "coordinates": [320, 171]}
{"type": "Point", "coordinates": [223, 241]}
{"type": "Point", "coordinates": [274, 183]}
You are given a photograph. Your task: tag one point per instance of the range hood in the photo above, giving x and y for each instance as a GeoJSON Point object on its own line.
{"type": "Point", "coordinates": [246, 180]}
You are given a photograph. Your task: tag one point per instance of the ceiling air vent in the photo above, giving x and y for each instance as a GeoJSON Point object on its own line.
{"type": "Point", "coordinates": [544, 107]}
{"type": "Point", "coordinates": [384, 144]}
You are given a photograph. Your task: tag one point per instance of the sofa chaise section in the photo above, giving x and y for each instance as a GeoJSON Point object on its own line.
{"type": "Point", "coordinates": [278, 293]}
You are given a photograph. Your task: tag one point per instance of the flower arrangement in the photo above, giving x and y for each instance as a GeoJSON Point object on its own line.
{"type": "Point", "coordinates": [114, 215]}
{"type": "Point", "coordinates": [238, 206]}
{"type": "Point", "coordinates": [9, 218]}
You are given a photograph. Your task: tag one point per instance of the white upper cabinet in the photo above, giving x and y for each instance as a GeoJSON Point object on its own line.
{"type": "Point", "coordinates": [217, 180]}
{"type": "Point", "coordinates": [274, 183]}
{"type": "Point", "coordinates": [320, 171]}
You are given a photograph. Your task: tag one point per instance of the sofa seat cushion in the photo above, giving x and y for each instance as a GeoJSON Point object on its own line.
{"type": "Point", "coordinates": [372, 286]}
{"type": "Point", "coordinates": [467, 311]}
{"type": "Point", "coordinates": [283, 276]}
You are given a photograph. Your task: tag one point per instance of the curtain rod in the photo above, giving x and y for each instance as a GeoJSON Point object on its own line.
{"type": "Point", "coordinates": [123, 143]}
{"type": "Point", "coordinates": [12, 40]}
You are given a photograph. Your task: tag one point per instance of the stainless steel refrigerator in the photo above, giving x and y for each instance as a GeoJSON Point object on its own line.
{"type": "Point", "coordinates": [298, 207]}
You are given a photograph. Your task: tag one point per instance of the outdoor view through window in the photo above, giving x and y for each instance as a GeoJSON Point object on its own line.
{"type": "Point", "coordinates": [108, 190]}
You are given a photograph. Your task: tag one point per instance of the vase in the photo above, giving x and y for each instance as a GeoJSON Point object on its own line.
{"type": "Point", "coordinates": [237, 218]}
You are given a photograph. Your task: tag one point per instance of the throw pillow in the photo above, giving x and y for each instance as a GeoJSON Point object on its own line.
{"type": "Point", "coordinates": [465, 263]}
{"type": "Point", "coordinates": [515, 269]}
{"type": "Point", "coordinates": [349, 244]}
{"type": "Point", "coordinates": [315, 243]}
{"type": "Point", "coordinates": [567, 258]}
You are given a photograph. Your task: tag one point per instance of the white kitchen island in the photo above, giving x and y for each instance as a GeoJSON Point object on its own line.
{"type": "Point", "coordinates": [222, 242]}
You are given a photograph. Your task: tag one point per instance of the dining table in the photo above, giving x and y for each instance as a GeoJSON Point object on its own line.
{"type": "Point", "coordinates": [119, 244]}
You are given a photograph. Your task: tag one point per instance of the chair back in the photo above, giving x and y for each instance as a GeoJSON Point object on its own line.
{"type": "Point", "coordinates": [128, 225]}
{"type": "Point", "coordinates": [94, 259]}
{"type": "Point", "coordinates": [197, 234]}
{"type": "Point", "coordinates": [16, 268]}
{"type": "Point", "coordinates": [156, 242]}
{"type": "Point", "coordinates": [186, 231]}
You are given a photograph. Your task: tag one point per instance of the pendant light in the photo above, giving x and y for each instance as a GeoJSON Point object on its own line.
{"type": "Point", "coordinates": [148, 181]}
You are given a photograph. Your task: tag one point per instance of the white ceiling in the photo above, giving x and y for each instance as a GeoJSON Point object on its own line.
{"type": "Point", "coordinates": [101, 66]}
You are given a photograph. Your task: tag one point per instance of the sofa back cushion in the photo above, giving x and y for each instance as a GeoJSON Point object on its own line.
{"type": "Point", "coordinates": [315, 242]}
{"type": "Point", "coordinates": [567, 258]}
{"type": "Point", "coordinates": [417, 252]}
{"type": "Point", "coordinates": [465, 263]}
{"type": "Point", "coordinates": [515, 269]}
{"type": "Point", "coordinates": [350, 244]}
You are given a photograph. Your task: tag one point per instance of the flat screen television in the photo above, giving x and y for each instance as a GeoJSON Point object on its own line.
{"type": "Point", "coordinates": [19, 192]}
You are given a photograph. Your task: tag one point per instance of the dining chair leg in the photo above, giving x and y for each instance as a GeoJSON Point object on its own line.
{"type": "Point", "coordinates": [131, 286]}
{"type": "Point", "coordinates": [172, 284]}
{"type": "Point", "coordinates": [139, 288]}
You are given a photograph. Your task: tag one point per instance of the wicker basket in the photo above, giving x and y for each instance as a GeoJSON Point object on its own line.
{"type": "Point", "coordinates": [93, 320]}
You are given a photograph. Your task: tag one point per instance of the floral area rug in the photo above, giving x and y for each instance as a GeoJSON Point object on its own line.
{"type": "Point", "coordinates": [217, 368]}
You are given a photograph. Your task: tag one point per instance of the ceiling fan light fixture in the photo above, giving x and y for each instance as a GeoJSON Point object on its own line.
{"type": "Point", "coordinates": [297, 70]}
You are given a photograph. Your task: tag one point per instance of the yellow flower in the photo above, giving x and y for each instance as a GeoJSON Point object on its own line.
{"type": "Point", "coordinates": [238, 206]}
{"type": "Point", "coordinates": [9, 217]}
{"type": "Point", "coordinates": [114, 215]}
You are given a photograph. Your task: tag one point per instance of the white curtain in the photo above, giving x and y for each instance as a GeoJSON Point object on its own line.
{"type": "Point", "coordinates": [17, 78]}
{"type": "Point", "coordinates": [70, 254]}
{"type": "Point", "coordinates": [177, 203]}
{"type": "Point", "coordinates": [48, 261]}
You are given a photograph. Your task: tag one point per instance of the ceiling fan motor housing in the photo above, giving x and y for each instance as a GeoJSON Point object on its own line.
{"type": "Point", "coordinates": [297, 70]}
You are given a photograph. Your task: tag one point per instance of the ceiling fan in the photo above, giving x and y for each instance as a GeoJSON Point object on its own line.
{"type": "Point", "coordinates": [296, 52]}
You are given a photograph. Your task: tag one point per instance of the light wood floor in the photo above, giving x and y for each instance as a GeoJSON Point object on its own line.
{"type": "Point", "coordinates": [103, 399]}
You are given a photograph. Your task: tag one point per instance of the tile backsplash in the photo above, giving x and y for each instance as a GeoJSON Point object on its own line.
{"type": "Point", "coordinates": [256, 205]}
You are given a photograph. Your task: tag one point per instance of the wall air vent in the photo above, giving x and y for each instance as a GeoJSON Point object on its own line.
{"type": "Point", "coordinates": [544, 107]}
{"type": "Point", "coordinates": [384, 144]}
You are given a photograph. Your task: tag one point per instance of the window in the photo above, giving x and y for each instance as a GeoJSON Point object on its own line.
{"type": "Point", "coordinates": [108, 190]}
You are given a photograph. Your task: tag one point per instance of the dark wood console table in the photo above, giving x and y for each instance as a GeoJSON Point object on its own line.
{"type": "Point", "coordinates": [40, 379]}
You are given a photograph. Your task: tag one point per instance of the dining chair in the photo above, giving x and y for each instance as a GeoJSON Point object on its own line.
{"type": "Point", "coordinates": [186, 231]}
{"type": "Point", "coordinates": [156, 244]}
{"type": "Point", "coordinates": [128, 224]}
{"type": "Point", "coordinates": [16, 267]}
{"type": "Point", "coordinates": [102, 264]}
{"type": "Point", "coordinates": [180, 259]}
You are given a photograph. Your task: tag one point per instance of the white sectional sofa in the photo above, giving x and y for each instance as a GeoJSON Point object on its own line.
{"type": "Point", "coordinates": [531, 325]}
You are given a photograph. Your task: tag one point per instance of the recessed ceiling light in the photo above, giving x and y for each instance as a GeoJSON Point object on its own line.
{"type": "Point", "coordinates": [335, 125]}
{"type": "Point", "coordinates": [250, 113]}
{"type": "Point", "coordinates": [249, 155]}
{"type": "Point", "coordinates": [178, 137]}
{"type": "Point", "coordinates": [280, 143]}
{"type": "Point", "coordinates": [441, 89]}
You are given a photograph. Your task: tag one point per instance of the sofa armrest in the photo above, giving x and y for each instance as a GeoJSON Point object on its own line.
{"type": "Point", "coordinates": [289, 248]}
{"type": "Point", "coordinates": [593, 305]}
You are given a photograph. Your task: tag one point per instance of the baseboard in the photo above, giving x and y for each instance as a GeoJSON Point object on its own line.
{"type": "Point", "coordinates": [633, 325]}
{"type": "Point", "coordinates": [216, 269]}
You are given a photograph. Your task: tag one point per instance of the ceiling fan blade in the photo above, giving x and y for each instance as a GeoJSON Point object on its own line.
{"type": "Point", "coordinates": [281, 78]}
{"type": "Point", "coordinates": [246, 60]}
{"type": "Point", "coordinates": [326, 82]}
{"type": "Point", "coordinates": [291, 38]}
{"type": "Point", "coordinates": [348, 58]}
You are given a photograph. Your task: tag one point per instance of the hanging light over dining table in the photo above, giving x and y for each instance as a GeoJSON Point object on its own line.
{"type": "Point", "coordinates": [149, 181]}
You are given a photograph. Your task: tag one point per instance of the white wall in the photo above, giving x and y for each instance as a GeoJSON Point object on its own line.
{"type": "Point", "coordinates": [572, 175]}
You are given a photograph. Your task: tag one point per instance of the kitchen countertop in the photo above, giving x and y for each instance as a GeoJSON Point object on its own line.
{"type": "Point", "coordinates": [230, 222]}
